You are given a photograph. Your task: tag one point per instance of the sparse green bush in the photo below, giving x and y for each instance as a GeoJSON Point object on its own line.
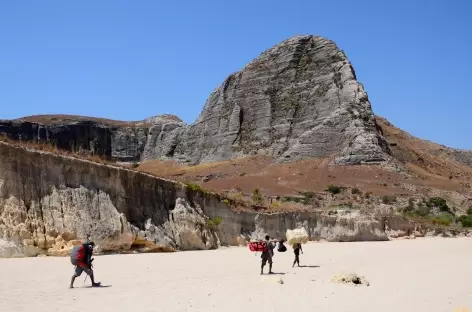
{"type": "Point", "coordinates": [308, 195]}
{"type": "Point", "coordinates": [408, 209]}
{"type": "Point", "coordinates": [423, 210]}
{"type": "Point", "coordinates": [388, 200]}
{"type": "Point", "coordinates": [443, 219]}
{"type": "Point", "coordinates": [333, 189]}
{"type": "Point", "coordinates": [194, 187]}
{"type": "Point", "coordinates": [225, 201]}
{"type": "Point", "coordinates": [356, 191]}
{"type": "Point", "coordinates": [469, 211]}
{"type": "Point", "coordinates": [214, 222]}
{"type": "Point", "coordinates": [465, 220]}
{"type": "Point", "coordinates": [439, 203]}
{"type": "Point", "coordinates": [256, 195]}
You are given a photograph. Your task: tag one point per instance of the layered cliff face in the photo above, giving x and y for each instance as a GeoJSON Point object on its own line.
{"type": "Point", "coordinates": [297, 100]}
{"type": "Point", "coordinates": [48, 203]}
{"type": "Point", "coordinates": [120, 141]}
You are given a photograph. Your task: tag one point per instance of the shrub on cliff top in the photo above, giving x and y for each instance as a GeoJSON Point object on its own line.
{"type": "Point", "coordinates": [333, 189]}
{"type": "Point", "coordinates": [214, 222]}
{"type": "Point", "coordinates": [388, 200]}
{"type": "Point", "coordinates": [256, 195]}
{"type": "Point", "coordinates": [356, 191]}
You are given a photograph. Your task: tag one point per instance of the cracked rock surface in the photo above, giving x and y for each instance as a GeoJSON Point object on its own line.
{"type": "Point", "coordinates": [297, 100]}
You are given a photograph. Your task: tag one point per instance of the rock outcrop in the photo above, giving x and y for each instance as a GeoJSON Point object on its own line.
{"type": "Point", "coordinates": [297, 100]}
{"type": "Point", "coordinates": [116, 140]}
{"type": "Point", "coordinates": [49, 203]}
{"type": "Point", "coordinates": [48, 200]}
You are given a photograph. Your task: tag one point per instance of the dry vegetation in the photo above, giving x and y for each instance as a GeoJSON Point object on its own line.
{"type": "Point", "coordinates": [51, 148]}
{"type": "Point", "coordinates": [60, 119]}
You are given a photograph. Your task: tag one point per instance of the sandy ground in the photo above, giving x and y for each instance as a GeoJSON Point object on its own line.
{"type": "Point", "coordinates": [409, 275]}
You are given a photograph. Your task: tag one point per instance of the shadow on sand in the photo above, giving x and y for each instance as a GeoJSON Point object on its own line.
{"type": "Point", "coordinates": [102, 286]}
{"type": "Point", "coordinates": [275, 273]}
{"type": "Point", "coordinates": [309, 266]}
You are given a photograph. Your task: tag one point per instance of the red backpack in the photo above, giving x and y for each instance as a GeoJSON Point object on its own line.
{"type": "Point", "coordinates": [258, 246]}
{"type": "Point", "coordinates": [77, 255]}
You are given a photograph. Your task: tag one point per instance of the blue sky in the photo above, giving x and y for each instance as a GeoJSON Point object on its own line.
{"type": "Point", "coordinates": [129, 60]}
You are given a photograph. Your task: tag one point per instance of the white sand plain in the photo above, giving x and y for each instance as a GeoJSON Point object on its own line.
{"type": "Point", "coordinates": [405, 275]}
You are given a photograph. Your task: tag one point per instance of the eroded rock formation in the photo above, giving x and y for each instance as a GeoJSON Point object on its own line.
{"type": "Point", "coordinates": [297, 100]}
{"type": "Point", "coordinates": [115, 140]}
{"type": "Point", "coordinates": [49, 203]}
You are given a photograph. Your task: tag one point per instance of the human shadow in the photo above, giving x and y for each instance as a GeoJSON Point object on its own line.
{"type": "Point", "coordinates": [101, 286]}
{"type": "Point", "coordinates": [309, 266]}
{"type": "Point", "coordinates": [276, 273]}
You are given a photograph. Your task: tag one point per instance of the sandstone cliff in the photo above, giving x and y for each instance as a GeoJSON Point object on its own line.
{"type": "Point", "coordinates": [48, 203]}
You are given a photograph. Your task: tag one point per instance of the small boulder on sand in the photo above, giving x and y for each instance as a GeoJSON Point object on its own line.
{"type": "Point", "coordinates": [351, 278]}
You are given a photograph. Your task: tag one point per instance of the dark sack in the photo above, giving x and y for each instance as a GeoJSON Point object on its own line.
{"type": "Point", "coordinates": [281, 248]}
{"type": "Point", "coordinates": [74, 254]}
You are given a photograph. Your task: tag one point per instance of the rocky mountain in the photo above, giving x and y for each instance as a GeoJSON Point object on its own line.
{"type": "Point", "coordinates": [297, 100]}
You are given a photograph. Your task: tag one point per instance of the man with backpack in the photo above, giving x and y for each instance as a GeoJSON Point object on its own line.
{"type": "Point", "coordinates": [81, 257]}
{"type": "Point", "coordinates": [267, 254]}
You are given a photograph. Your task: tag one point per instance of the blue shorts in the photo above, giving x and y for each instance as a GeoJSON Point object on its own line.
{"type": "Point", "coordinates": [80, 269]}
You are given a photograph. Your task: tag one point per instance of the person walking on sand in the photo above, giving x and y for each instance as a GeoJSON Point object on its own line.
{"type": "Point", "coordinates": [81, 257]}
{"type": "Point", "coordinates": [267, 255]}
{"type": "Point", "coordinates": [297, 248]}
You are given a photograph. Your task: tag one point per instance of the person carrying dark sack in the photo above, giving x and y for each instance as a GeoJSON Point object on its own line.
{"type": "Point", "coordinates": [81, 257]}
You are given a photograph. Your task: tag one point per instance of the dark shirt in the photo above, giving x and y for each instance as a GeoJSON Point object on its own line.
{"type": "Point", "coordinates": [297, 249]}
{"type": "Point", "coordinates": [87, 254]}
{"type": "Point", "coordinates": [270, 250]}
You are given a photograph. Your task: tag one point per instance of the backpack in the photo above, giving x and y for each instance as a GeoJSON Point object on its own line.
{"type": "Point", "coordinates": [78, 254]}
{"type": "Point", "coordinates": [281, 247]}
{"type": "Point", "coordinates": [258, 247]}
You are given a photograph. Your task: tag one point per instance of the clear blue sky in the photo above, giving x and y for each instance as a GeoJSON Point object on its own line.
{"type": "Point", "coordinates": [132, 59]}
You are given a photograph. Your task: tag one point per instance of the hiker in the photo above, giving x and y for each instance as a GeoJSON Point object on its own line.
{"type": "Point", "coordinates": [297, 248]}
{"type": "Point", "coordinates": [81, 257]}
{"type": "Point", "coordinates": [267, 255]}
